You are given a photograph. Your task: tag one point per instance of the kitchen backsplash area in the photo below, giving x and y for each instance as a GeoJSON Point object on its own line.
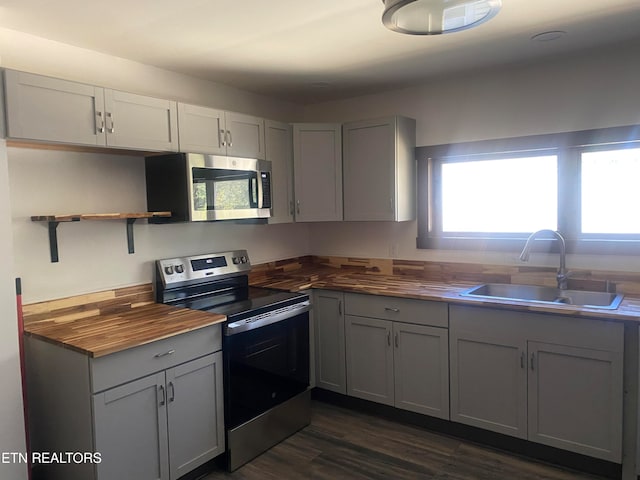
{"type": "Point", "coordinates": [449, 272]}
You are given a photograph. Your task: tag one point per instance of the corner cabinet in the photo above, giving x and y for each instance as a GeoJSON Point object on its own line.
{"type": "Point", "coordinates": [549, 379]}
{"type": "Point", "coordinates": [52, 110]}
{"type": "Point", "coordinates": [210, 131]}
{"type": "Point", "coordinates": [380, 170]}
{"type": "Point", "coordinates": [328, 315]}
{"type": "Point", "coordinates": [153, 412]}
{"type": "Point", "coordinates": [279, 151]}
{"type": "Point", "coordinates": [317, 161]}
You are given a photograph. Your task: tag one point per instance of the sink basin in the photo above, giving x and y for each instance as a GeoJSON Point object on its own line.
{"type": "Point", "coordinates": [534, 293]}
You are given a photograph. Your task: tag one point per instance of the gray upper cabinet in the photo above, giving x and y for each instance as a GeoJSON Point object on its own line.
{"type": "Point", "coordinates": [210, 131]}
{"type": "Point", "coordinates": [548, 379]}
{"type": "Point", "coordinates": [317, 161]}
{"type": "Point", "coordinates": [380, 170]}
{"type": "Point", "coordinates": [279, 151]}
{"type": "Point", "coordinates": [52, 110]}
{"type": "Point", "coordinates": [140, 122]}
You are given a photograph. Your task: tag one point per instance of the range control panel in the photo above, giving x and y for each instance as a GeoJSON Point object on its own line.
{"type": "Point", "coordinates": [197, 267]}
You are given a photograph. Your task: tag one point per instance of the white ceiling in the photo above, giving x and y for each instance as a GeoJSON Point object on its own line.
{"type": "Point", "coordinates": [313, 50]}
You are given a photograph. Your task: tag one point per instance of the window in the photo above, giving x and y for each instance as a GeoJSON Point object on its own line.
{"type": "Point", "coordinates": [610, 185]}
{"type": "Point", "coordinates": [493, 194]}
{"type": "Point", "coordinates": [505, 195]}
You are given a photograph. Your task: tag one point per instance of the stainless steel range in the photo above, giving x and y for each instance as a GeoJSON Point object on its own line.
{"type": "Point", "coordinates": [265, 347]}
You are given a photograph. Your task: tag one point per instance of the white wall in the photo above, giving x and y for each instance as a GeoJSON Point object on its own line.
{"type": "Point", "coordinates": [93, 254]}
{"type": "Point", "coordinates": [21, 51]}
{"type": "Point", "coordinates": [589, 90]}
{"type": "Point", "coordinates": [12, 436]}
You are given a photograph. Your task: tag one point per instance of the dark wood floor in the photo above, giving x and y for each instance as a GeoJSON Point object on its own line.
{"type": "Point", "coordinates": [346, 444]}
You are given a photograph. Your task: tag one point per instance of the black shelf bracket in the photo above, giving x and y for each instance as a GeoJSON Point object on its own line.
{"type": "Point", "coordinates": [130, 222]}
{"type": "Point", "coordinates": [53, 240]}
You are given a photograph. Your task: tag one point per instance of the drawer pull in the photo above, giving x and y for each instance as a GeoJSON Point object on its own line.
{"type": "Point", "coordinates": [389, 309]}
{"type": "Point", "coordinates": [165, 354]}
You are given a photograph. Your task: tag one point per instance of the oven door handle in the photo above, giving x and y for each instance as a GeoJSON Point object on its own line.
{"type": "Point", "coordinates": [251, 323]}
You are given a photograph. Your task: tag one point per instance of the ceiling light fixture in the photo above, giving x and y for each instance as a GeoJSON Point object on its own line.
{"type": "Point", "coordinates": [433, 17]}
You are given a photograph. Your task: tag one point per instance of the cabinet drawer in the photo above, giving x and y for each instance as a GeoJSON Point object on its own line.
{"type": "Point", "coordinates": [421, 312]}
{"type": "Point", "coordinates": [121, 367]}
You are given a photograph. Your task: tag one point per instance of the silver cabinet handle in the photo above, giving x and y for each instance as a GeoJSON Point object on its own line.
{"type": "Point", "coordinates": [340, 307]}
{"type": "Point", "coordinates": [230, 139]}
{"type": "Point", "coordinates": [397, 340]}
{"type": "Point", "coordinates": [389, 309]}
{"type": "Point", "coordinates": [389, 337]}
{"type": "Point", "coordinates": [222, 138]}
{"type": "Point", "coordinates": [163, 397]}
{"type": "Point", "coordinates": [522, 360]}
{"type": "Point", "coordinates": [111, 127]}
{"type": "Point", "coordinates": [160, 355]}
{"type": "Point", "coordinates": [298, 207]}
{"type": "Point", "coordinates": [100, 119]}
{"type": "Point", "coordinates": [173, 392]}
{"type": "Point", "coordinates": [291, 207]}
{"type": "Point", "coordinates": [533, 361]}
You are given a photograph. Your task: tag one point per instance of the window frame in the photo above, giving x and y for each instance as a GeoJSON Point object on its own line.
{"type": "Point", "coordinates": [568, 148]}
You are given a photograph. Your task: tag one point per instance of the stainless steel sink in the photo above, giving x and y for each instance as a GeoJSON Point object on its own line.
{"type": "Point", "coordinates": [533, 293]}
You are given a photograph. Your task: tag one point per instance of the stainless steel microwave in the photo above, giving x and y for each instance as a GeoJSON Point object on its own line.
{"type": "Point", "coordinates": [196, 187]}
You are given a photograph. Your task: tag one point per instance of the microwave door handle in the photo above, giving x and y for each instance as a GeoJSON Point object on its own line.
{"type": "Point", "coordinates": [253, 192]}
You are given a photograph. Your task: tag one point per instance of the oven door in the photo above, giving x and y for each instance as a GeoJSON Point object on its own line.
{"type": "Point", "coordinates": [265, 367]}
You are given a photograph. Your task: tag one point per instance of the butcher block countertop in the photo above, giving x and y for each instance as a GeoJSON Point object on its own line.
{"type": "Point", "coordinates": [101, 334]}
{"type": "Point", "coordinates": [411, 287]}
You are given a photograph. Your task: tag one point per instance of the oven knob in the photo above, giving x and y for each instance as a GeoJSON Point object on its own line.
{"type": "Point", "coordinates": [236, 260]}
{"type": "Point", "coordinates": [244, 259]}
{"type": "Point", "coordinates": [168, 270]}
{"type": "Point", "coordinates": [179, 268]}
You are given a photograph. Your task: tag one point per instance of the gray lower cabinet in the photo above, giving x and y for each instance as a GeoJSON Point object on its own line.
{"type": "Point", "coordinates": [553, 380]}
{"type": "Point", "coordinates": [328, 315]}
{"type": "Point", "coordinates": [153, 412]}
{"type": "Point", "coordinates": [49, 109]}
{"type": "Point", "coordinates": [395, 362]}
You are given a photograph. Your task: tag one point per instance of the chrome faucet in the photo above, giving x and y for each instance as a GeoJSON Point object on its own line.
{"type": "Point", "coordinates": [562, 275]}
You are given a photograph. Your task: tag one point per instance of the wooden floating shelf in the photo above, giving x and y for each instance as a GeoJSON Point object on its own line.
{"type": "Point", "coordinates": [54, 220]}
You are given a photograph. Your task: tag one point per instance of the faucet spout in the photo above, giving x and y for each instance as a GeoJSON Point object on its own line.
{"type": "Point", "coordinates": [562, 275]}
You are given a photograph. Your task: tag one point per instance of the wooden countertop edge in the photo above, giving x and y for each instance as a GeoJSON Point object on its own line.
{"type": "Point", "coordinates": [451, 296]}
{"type": "Point", "coordinates": [83, 345]}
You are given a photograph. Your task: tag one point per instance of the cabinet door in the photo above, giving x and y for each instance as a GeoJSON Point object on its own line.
{"type": "Point", "coordinates": [136, 121]}
{"type": "Point", "coordinates": [379, 169]}
{"type": "Point", "coordinates": [131, 430]}
{"type": "Point", "coordinates": [53, 110]}
{"type": "Point", "coordinates": [489, 381]}
{"type": "Point", "coordinates": [245, 136]}
{"type": "Point", "coordinates": [201, 130]}
{"type": "Point", "coordinates": [317, 161]}
{"type": "Point", "coordinates": [421, 369]}
{"type": "Point", "coordinates": [369, 359]}
{"type": "Point", "coordinates": [279, 151]}
{"type": "Point", "coordinates": [195, 413]}
{"type": "Point", "coordinates": [328, 316]}
{"type": "Point", "coordinates": [575, 399]}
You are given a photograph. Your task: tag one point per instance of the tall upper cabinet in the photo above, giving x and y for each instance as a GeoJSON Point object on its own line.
{"type": "Point", "coordinates": [380, 170]}
{"type": "Point", "coordinates": [52, 110]}
{"type": "Point", "coordinates": [207, 130]}
{"type": "Point", "coordinates": [317, 161]}
{"type": "Point", "coordinates": [279, 151]}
